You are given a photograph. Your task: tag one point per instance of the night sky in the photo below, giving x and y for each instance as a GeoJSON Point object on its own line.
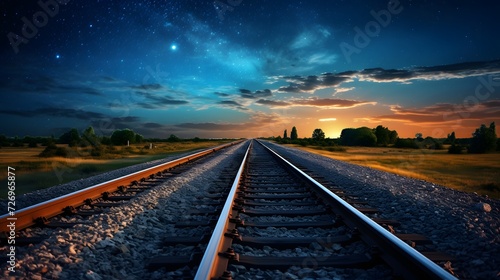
{"type": "Point", "coordinates": [248, 68]}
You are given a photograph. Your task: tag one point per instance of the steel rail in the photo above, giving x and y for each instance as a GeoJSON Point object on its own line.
{"type": "Point", "coordinates": [26, 217]}
{"type": "Point", "coordinates": [408, 262]}
{"type": "Point", "coordinates": [210, 265]}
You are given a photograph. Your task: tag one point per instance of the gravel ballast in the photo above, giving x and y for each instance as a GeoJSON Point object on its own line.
{"type": "Point", "coordinates": [463, 225]}
{"type": "Point", "coordinates": [43, 195]}
{"type": "Point", "coordinates": [117, 243]}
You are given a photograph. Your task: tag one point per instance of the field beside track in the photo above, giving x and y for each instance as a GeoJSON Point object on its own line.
{"type": "Point", "coordinates": [478, 173]}
{"type": "Point", "coordinates": [34, 172]}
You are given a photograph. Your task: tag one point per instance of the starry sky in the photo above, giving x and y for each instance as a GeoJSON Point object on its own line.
{"type": "Point", "coordinates": [248, 68]}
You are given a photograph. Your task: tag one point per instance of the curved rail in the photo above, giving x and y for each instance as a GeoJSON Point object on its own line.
{"type": "Point", "coordinates": [406, 261]}
{"type": "Point", "coordinates": [26, 217]}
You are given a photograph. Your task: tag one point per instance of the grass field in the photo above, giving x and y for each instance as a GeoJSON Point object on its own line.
{"type": "Point", "coordinates": [478, 173]}
{"type": "Point", "coordinates": [34, 172]}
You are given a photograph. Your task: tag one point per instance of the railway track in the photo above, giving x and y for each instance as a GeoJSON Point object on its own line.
{"type": "Point", "coordinates": [260, 215]}
{"type": "Point", "coordinates": [107, 194]}
{"type": "Point", "coordinates": [278, 217]}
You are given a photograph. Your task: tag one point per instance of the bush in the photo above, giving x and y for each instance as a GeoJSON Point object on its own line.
{"type": "Point", "coordinates": [406, 143]}
{"type": "Point", "coordinates": [455, 149]}
{"type": "Point", "coordinates": [97, 152]}
{"type": "Point", "coordinates": [362, 136]}
{"type": "Point", "coordinates": [432, 144]}
{"type": "Point", "coordinates": [53, 151]}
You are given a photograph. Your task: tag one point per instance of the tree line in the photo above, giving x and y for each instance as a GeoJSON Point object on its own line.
{"type": "Point", "coordinates": [484, 139]}
{"type": "Point", "coordinates": [86, 139]}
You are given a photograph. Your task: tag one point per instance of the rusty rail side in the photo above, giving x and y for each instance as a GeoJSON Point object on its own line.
{"type": "Point", "coordinates": [25, 217]}
{"type": "Point", "coordinates": [211, 266]}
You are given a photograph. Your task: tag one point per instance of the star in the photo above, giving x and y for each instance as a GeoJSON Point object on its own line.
{"type": "Point", "coordinates": [58, 56]}
{"type": "Point", "coordinates": [173, 47]}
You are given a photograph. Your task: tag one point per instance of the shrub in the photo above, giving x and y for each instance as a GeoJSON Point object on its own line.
{"type": "Point", "coordinates": [97, 152]}
{"type": "Point", "coordinates": [455, 149]}
{"type": "Point", "coordinates": [406, 143]}
{"type": "Point", "coordinates": [53, 151]}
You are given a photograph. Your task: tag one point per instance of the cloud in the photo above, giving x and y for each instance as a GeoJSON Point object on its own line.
{"type": "Point", "coordinates": [221, 94]}
{"type": "Point", "coordinates": [56, 112]}
{"type": "Point", "coordinates": [129, 119]}
{"type": "Point", "coordinates": [330, 103]}
{"type": "Point", "coordinates": [245, 93]}
{"type": "Point", "coordinates": [340, 90]}
{"type": "Point", "coordinates": [256, 121]}
{"type": "Point", "coordinates": [312, 83]}
{"type": "Point", "coordinates": [441, 114]}
{"type": "Point", "coordinates": [154, 101]}
{"type": "Point", "coordinates": [328, 120]}
{"type": "Point", "coordinates": [41, 83]}
{"type": "Point", "coordinates": [232, 104]}
{"type": "Point", "coordinates": [322, 58]}
{"type": "Point", "coordinates": [309, 84]}
{"type": "Point", "coordinates": [324, 103]}
{"type": "Point", "coordinates": [152, 125]}
{"type": "Point", "coordinates": [433, 73]}
{"type": "Point", "coordinates": [273, 103]}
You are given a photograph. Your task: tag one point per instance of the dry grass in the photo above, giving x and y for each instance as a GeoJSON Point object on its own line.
{"type": "Point", "coordinates": [33, 172]}
{"type": "Point", "coordinates": [465, 172]}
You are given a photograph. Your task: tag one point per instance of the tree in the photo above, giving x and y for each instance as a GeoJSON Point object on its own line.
{"type": "Point", "coordinates": [382, 134]}
{"type": "Point", "coordinates": [484, 139]}
{"type": "Point", "coordinates": [4, 142]}
{"type": "Point", "coordinates": [122, 137]}
{"type": "Point", "coordinates": [318, 134]}
{"type": "Point", "coordinates": [72, 138]}
{"type": "Point", "coordinates": [455, 149]}
{"type": "Point", "coordinates": [362, 136]}
{"type": "Point", "coordinates": [451, 138]}
{"type": "Point", "coordinates": [393, 136]}
{"type": "Point", "coordinates": [173, 138]}
{"type": "Point", "coordinates": [139, 138]}
{"type": "Point", "coordinates": [285, 135]}
{"type": "Point", "coordinates": [89, 137]}
{"type": "Point", "coordinates": [419, 136]}
{"type": "Point", "coordinates": [293, 134]}
{"type": "Point", "coordinates": [365, 137]}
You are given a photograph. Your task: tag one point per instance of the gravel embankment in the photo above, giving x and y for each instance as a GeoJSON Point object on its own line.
{"type": "Point", "coordinates": [42, 195]}
{"type": "Point", "coordinates": [451, 219]}
{"type": "Point", "coordinates": [117, 243]}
